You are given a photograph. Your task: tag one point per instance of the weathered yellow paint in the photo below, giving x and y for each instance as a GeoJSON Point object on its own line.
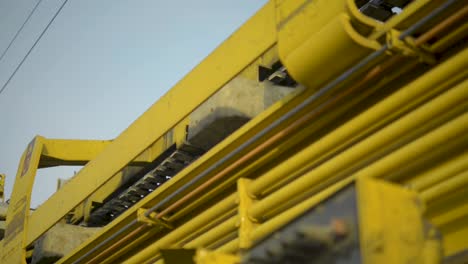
{"type": "Point", "coordinates": [244, 46]}
{"type": "Point", "coordinates": [390, 221]}
{"type": "Point", "coordinates": [414, 134]}
{"type": "Point", "coordinates": [314, 33]}
{"type": "Point", "coordinates": [2, 186]}
{"type": "Point", "coordinates": [14, 246]}
{"type": "Point", "coordinates": [66, 152]}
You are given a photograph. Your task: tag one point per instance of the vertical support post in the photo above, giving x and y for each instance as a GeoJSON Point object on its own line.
{"type": "Point", "coordinates": [246, 224]}
{"type": "Point", "coordinates": [14, 246]}
{"type": "Point", "coordinates": [2, 187]}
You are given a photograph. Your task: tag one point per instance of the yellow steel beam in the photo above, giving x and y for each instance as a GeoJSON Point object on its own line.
{"type": "Point", "coordinates": [184, 230]}
{"type": "Point", "coordinates": [221, 66]}
{"type": "Point", "coordinates": [2, 186]}
{"type": "Point", "coordinates": [244, 46]}
{"type": "Point", "coordinates": [446, 187]}
{"type": "Point", "coordinates": [18, 218]}
{"type": "Point", "coordinates": [436, 175]}
{"type": "Point", "coordinates": [400, 100]}
{"type": "Point", "coordinates": [280, 220]}
{"type": "Point", "coordinates": [62, 152]}
{"type": "Point", "coordinates": [176, 136]}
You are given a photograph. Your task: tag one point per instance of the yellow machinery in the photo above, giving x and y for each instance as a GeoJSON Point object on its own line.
{"type": "Point", "coordinates": [319, 132]}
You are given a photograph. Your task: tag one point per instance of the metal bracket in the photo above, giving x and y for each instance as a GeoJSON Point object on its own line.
{"type": "Point", "coordinates": [246, 224]}
{"type": "Point", "coordinates": [407, 47]}
{"type": "Point", "coordinates": [151, 220]}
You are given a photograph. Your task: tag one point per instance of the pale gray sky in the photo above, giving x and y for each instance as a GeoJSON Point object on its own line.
{"type": "Point", "coordinates": [99, 66]}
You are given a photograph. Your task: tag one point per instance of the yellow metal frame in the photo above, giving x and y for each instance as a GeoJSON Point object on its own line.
{"type": "Point", "coordinates": [392, 229]}
{"type": "Point", "coordinates": [2, 187]}
{"type": "Point", "coordinates": [41, 152]}
{"type": "Point", "coordinates": [417, 116]}
{"type": "Point", "coordinates": [252, 39]}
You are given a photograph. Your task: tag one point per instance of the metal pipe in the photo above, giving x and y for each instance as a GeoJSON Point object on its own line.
{"type": "Point", "coordinates": [452, 37]}
{"type": "Point", "coordinates": [452, 19]}
{"type": "Point", "coordinates": [447, 186]}
{"type": "Point", "coordinates": [177, 234]}
{"type": "Point", "coordinates": [375, 170]}
{"type": "Point", "coordinates": [418, 90]}
{"type": "Point", "coordinates": [147, 251]}
{"type": "Point", "coordinates": [229, 247]}
{"type": "Point", "coordinates": [330, 86]}
{"type": "Point", "coordinates": [214, 234]}
{"type": "Point", "coordinates": [458, 209]}
{"type": "Point", "coordinates": [254, 152]}
{"type": "Point", "coordinates": [128, 247]}
{"type": "Point", "coordinates": [412, 29]}
{"type": "Point", "coordinates": [323, 110]}
{"type": "Point", "coordinates": [118, 244]}
{"type": "Point", "coordinates": [394, 131]}
{"type": "Point", "coordinates": [107, 240]}
{"type": "Point", "coordinates": [285, 217]}
{"type": "Point", "coordinates": [373, 73]}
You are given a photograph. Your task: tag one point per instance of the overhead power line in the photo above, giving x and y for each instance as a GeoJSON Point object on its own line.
{"type": "Point", "coordinates": [20, 29]}
{"type": "Point", "coordinates": [35, 42]}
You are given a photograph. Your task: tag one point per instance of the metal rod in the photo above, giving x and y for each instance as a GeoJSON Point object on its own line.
{"type": "Point", "coordinates": [278, 122]}
{"type": "Point", "coordinates": [426, 19]}
{"type": "Point", "coordinates": [329, 87]}
{"type": "Point", "coordinates": [441, 26]}
{"type": "Point", "coordinates": [118, 243]}
{"type": "Point", "coordinates": [107, 240]}
{"type": "Point", "coordinates": [275, 124]}
{"type": "Point", "coordinates": [266, 144]}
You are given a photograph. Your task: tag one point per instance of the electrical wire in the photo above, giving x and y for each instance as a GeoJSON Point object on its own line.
{"type": "Point", "coordinates": [34, 45]}
{"type": "Point", "coordinates": [20, 29]}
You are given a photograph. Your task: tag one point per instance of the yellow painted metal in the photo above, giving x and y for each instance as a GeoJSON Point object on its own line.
{"type": "Point", "coordinates": [252, 39]}
{"type": "Point", "coordinates": [369, 121]}
{"type": "Point", "coordinates": [401, 21]}
{"type": "Point", "coordinates": [219, 150]}
{"type": "Point", "coordinates": [61, 152]}
{"type": "Point", "coordinates": [184, 230]}
{"type": "Point", "coordinates": [209, 257]}
{"type": "Point", "coordinates": [330, 34]}
{"type": "Point", "coordinates": [455, 238]}
{"type": "Point", "coordinates": [280, 220]}
{"type": "Point", "coordinates": [317, 41]}
{"type": "Point", "coordinates": [391, 225]}
{"type": "Point", "coordinates": [214, 234]}
{"type": "Point", "coordinates": [151, 220]}
{"type": "Point", "coordinates": [449, 214]}
{"type": "Point", "coordinates": [436, 175]}
{"type": "Point", "coordinates": [230, 247]}
{"type": "Point", "coordinates": [177, 136]}
{"type": "Point", "coordinates": [14, 246]}
{"type": "Point", "coordinates": [246, 224]}
{"type": "Point", "coordinates": [449, 185]}
{"type": "Point", "coordinates": [392, 229]}
{"type": "Point", "coordinates": [450, 39]}
{"type": "Point", "coordinates": [377, 141]}
{"type": "Point", "coordinates": [2, 187]}
{"type": "Point", "coordinates": [41, 152]}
